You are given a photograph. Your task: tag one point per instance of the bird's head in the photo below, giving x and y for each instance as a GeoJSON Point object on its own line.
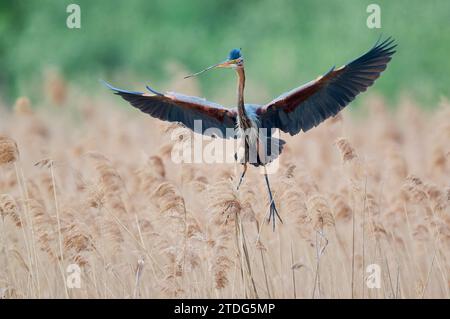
{"type": "Point", "coordinates": [234, 61]}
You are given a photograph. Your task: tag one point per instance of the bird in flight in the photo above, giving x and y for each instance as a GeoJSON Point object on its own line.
{"type": "Point", "coordinates": [297, 110]}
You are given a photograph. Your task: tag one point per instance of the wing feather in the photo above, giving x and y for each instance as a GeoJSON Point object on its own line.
{"type": "Point", "coordinates": [175, 107]}
{"type": "Point", "coordinates": [317, 100]}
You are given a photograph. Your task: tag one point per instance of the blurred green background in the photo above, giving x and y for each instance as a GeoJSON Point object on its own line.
{"type": "Point", "coordinates": [285, 43]}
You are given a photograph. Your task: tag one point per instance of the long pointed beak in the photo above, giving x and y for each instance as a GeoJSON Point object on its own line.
{"type": "Point", "coordinates": [224, 64]}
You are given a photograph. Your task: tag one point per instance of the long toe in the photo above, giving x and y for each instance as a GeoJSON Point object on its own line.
{"type": "Point", "coordinates": [278, 215]}
{"type": "Point", "coordinates": [273, 215]}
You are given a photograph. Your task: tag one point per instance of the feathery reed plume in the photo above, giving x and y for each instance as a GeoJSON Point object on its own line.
{"type": "Point", "coordinates": [110, 182]}
{"type": "Point", "coordinates": [22, 106]}
{"type": "Point", "coordinates": [155, 229]}
{"type": "Point", "coordinates": [199, 183]}
{"type": "Point", "coordinates": [289, 173]}
{"type": "Point", "coordinates": [321, 217]}
{"type": "Point", "coordinates": [225, 201]}
{"type": "Point", "coordinates": [194, 230]}
{"type": "Point", "coordinates": [8, 180]}
{"type": "Point", "coordinates": [338, 118]}
{"type": "Point", "coordinates": [306, 183]}
{"type": "Point", "coordinates": [294, 203]}
{"type": "Point", "coordinates": [174, 247]}
{"type": "Point", "coordinates": [347, 151]}
{"type": "Point", "coordinates": [151, 175]}
{"type": "Point", "coordinates": [169, 200]}
{"type": "Point", "coordinates": [171, 286]}
{"type": "Point", "coordinates": [158, 166]}
{"type": "Point", "coordinates": [421, 233]}
{"type": "Point", "coordinates": [396, 162]}
{"type": "Point", "coordinates": [341, 208]}
{"type": "Point", "coordinates": [108, 175]}
{"type": "Point", "coordinates": [320, 212]}
{"type": "Point", "coordinates": [20, 259]}
{"type": "Point", "coordinates": [438, 159]}
{"type": "Point", "coordinates": [104, 195]}
{"type": "Point", "coordinates": [169, 128]}
{"type": "Point", "coordinates": [95, 195]}
{"type": "Point", "coordinates": [46, 162]}
{"type": "Point", "coordinates": [55, 87]}
{"type": "Point", "coordinates": [33, 191]}
{"type": "Point", "coordinates": [414, 189]}
{"type": "Point", "coordinates": [8, 208]}
{"type": "Point", "coordinates": [35, 128]}
{"type": "Point", "coordinates": [225, 207]}
{"type": "Point", "coordinates": [47, 179]}
{"type": "Point", "coordinates": [76, 243]}
{"type": "Point", "coordinates": [9, 153]}
{"type": "Point", "coordinates": [165, 150]}
{"type": "Point", "coordinates": [45, 228]}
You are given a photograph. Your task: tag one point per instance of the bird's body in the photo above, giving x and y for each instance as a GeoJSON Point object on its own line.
{"type": "Point", "coordinates": [254, 140]}
{"type": "Point", "coordinates": [297, 110]}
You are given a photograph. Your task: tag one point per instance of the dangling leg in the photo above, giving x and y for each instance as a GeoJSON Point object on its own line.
{"type": "Point", "coordinates": [242, 176]}
{"type": "Point", "coordinates": [273, 209]}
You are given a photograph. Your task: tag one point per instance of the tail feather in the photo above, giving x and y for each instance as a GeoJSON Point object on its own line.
{"type": "Point", "coordinates": [273, 148]}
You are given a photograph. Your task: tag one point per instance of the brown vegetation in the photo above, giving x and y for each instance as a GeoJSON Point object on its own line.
{"type": "Point", "coordinates": [99, 189]}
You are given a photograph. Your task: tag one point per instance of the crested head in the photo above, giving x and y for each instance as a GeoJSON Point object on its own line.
{"type": "Point", "coordinates": [234, 61]}
{"type": "Point", "coordinates": [234, 54]}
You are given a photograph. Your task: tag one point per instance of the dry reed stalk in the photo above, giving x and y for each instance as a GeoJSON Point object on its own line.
{"type": "Point", "coordinates": [322, 217]}
{"type": "Point", "coordinates": [404, 225]}
{"type": "Point", "coordinates": [9, 154]}
{"type": "Point", "coordinates": [107, 197]}
{"type": "Point", "coordinates": [262, 250]}
{"type": "Point", "coordinates": [173, 212]}
{"type": "Point", "coordinates": [225, 207]}
{"type": "Point", "coordinates": [245, 265]}
{"type": "Point", "coordinates": [293, 273]}
{"type": "Point", "coordinates": [171, 286]}
{"type": "Point", "coordinates": [349, 156]}
{"type": "Point", "coordinates": [48, 163]}
{"type": "Point", "coordinates": [44, 225]}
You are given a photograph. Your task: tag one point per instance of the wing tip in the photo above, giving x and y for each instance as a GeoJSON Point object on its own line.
{"type": "Point", "coordinates": [153, 90]}
{"type": "Point", "coordinates": [117, 90]}
{"type": "Point", "coordinates": [109, 86]}
{"type": "Point", "coordinates": [387, 45]}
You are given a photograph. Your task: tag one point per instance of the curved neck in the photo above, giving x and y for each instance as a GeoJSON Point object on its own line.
{"type": "Point", "coordinates": [241, 86]}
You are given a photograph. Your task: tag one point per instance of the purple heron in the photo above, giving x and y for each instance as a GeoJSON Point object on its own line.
{"type": "Point", "coordinates": [297, 110]}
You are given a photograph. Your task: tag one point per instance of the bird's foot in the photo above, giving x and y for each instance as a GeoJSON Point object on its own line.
{"type": "Point", "coordinates": [242, 177]}
{"type": "Point", "coordinates": [272, 213]}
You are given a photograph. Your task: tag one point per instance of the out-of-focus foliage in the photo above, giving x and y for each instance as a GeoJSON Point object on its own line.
{"type": "Point", "coordinates": [285, 43]}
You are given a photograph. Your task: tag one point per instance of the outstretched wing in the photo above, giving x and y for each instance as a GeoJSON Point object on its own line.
{"type": "Point", "coordinates": [314, 102]}
{"type": "Point", "coordinates": [174, 107]}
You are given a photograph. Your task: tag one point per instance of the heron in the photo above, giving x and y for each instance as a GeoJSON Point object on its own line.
{"type": "Point", "coordinates": [297, 110]}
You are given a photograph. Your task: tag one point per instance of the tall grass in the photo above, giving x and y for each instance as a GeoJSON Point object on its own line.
{"type": "Point", "coordinates": [103, 193]}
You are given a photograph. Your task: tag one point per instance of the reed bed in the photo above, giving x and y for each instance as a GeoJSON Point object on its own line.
{"type": "Point", "coordinates": [91, 183]}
